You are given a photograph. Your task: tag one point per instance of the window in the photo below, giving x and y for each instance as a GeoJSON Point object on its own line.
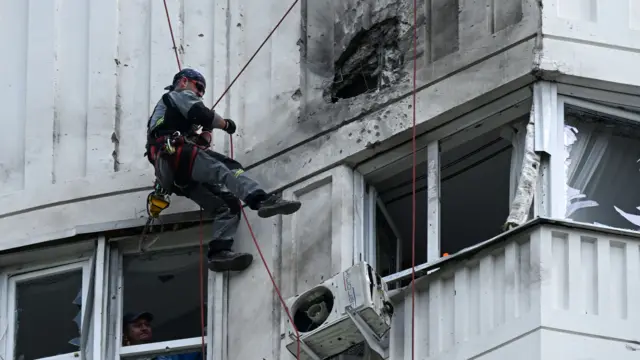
{"type": "Point", "coordinates": [159, 311]}
{"type": "Point", "coordinates": [466, 183]}
{"type": "Point", "coordinates": [601, 163]}
{"type": "Point", "coordinates": [475, 192]}
{"type": "Point", "coordinates": [45, 307]}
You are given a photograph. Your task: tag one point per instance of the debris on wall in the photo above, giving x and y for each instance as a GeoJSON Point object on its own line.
{"type": "Point", "coordinates": [371, 61]}
{"type": "Point", "coordinates": [519, 211]}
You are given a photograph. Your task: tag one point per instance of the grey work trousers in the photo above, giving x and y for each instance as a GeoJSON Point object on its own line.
{"type": "Point", "coordinates": [224, 208]}
{"type": "Point", "coordinates": [217, 183]}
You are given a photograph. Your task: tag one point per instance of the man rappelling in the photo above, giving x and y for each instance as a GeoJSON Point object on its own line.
{"type": "Point", "coordinates": [186, 166]}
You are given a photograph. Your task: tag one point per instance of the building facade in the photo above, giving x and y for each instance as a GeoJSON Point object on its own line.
{"type": "Point", "coordinates": [527, 149]}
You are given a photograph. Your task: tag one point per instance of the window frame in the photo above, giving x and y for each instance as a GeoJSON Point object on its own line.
{"type": "Point", "coordinates": [217, 283]}
{"type": "Point", "coordinates": [11, 277]}
{"type": "Point", "coordinates": [491, 116]}
{"type": "Point", "coordinates": [559, 198]}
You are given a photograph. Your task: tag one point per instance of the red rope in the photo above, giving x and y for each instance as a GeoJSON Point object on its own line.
{"type": "Point", "coordinates": [413, 185]}
{"type": "Point", "coordinates": [173, 39]}
{"type": "Point", "coordinates": [255, 241]}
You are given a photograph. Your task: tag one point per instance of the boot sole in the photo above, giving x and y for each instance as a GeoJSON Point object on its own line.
{"type": "Point", "coordinates": [238, 263]}
{"type": "Point", "coordinates": [286, 209]}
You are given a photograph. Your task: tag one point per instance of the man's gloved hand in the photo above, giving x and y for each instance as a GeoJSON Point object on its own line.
{"type": "Point", "coordinates": [204, 139]}
{"type": "Point", "coordinates": [230, 128]}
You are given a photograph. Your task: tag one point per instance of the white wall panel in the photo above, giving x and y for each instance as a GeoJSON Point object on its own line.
{"type": "Point", "coordinates": [595, 39]}
{"type": "Point", "coordinates": [565, 280]}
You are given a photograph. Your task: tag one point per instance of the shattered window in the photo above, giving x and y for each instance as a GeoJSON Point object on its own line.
{"type": "Point", "coordinates": [161, 296]}
{"type": "Point", "coordinates": [602, 165]}
{"type": "Point", "coordinates": [47, 315]}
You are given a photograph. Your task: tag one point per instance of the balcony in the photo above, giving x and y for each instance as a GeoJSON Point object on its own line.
{"type": "Point", "coordinates": [546, 290]}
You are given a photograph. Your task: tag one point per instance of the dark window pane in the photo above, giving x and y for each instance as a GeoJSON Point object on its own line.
{"type": "Point", "coordinates": [167, 285]}
{"type": "Point", "coordinates": [45, 314]}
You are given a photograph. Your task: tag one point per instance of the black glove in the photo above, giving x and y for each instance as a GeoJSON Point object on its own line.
{"type": "Point", "coordinates": [230, 128]}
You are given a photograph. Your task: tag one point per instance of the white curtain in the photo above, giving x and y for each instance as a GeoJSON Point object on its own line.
{"type": "Point", "coordinates": [602, 172]}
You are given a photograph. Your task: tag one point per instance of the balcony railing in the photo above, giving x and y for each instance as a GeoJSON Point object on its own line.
{"type": "Point", "coordinates": [549, 289]}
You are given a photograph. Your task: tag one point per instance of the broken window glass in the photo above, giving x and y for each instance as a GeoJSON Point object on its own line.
{"type": "Point", "coordinates": [48, 316]}
{"type": "Point", "coordinates": [161, 296]}
{"type": "Point", "coordinates": [602, 155]}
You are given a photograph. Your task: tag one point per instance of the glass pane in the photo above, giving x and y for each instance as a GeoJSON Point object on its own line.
{"type": "Point", "coordinates": [601, 165]}
{"type": "Point", "coordinates": [165, 285]}
{"type": "Point", "coordinates": [387, 246]}
{"type": "Point", "coordinates": [48, 315]}
{"type": "Point", "coordinates": [475, 185]}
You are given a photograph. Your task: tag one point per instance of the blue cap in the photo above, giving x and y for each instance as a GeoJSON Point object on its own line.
{"type": "Point", "coordinates": [191, 75]}
{"type": "Point", "coordinates": [128, 318]}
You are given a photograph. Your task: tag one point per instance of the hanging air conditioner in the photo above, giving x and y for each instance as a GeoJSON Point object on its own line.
{"type": "Point", "coordinates": [350, 308]}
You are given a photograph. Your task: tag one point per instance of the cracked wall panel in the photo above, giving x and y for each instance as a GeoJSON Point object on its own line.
{"type": "Point", "coordinates": [317, 47]}
{"type": "Point", "coordinates": [103, 43]}
{"type": "Point", "coordinates": [255, 22]}
{"type": "Point", "coordinates": [372, 42]}
{"type": "Point", "coordinates": [14, 35]}
{"type": "Point", "coordinates": [477, 42]}
{"type": "Point", "coordinates": [285, 72]}
{"type": "Point", "coordinates": [474, 22]}
{"type": "Point", "coordinates": [443, 23]}
{"type": "Point", "coordinates": [70, 142]}
{"type": "Point", "coordinates": [133, 68]}
{"type": "Point", "coordinates": [505, 13]}
{"type": "Point", "coordinates": [40, 94]}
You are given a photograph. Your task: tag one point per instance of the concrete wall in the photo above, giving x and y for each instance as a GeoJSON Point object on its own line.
{"type": "Point", "coordinates": [596, 39]}
{"type": "Point", "coordinates": [84, 75]}
{"type": "Point", "coordinates": [91, 85]}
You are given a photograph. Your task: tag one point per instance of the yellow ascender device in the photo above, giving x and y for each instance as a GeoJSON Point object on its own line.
{"type": "Point", "coordinates": [156, 203]}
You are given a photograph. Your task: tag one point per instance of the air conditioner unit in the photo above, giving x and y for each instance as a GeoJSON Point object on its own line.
{"type": "Point", "coordinates": [350, 308]}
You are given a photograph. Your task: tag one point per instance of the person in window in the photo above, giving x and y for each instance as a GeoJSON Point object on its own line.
{"type": "Point", "coordinates": [136, 330]}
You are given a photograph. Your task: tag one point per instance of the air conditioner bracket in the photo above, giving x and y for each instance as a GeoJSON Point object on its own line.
{"type": "Point", "coordinates": [376, 344]}
{"type": "Point", "coordinates": [305, 348]}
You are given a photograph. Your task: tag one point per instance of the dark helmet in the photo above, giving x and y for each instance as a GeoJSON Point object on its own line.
{"type": "Point", "coordinates": [190, 74]}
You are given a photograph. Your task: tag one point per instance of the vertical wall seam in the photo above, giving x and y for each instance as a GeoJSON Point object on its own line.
{"type": "Point", "coordinates": [56, 93]}
{"type": "Point", "coordinates": [87, 92]}
{"type": "Point", "coordinates": [115, 136]}
{"type": "Point", "coordinates": [227, 77]}
{"type": "Point", "coordinates": [302, 44]}
{"type": "Point", "coordinates": [24, 109]}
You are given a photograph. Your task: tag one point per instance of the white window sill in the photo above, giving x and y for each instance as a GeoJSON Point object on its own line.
{"type": "Point", "coordinates": [173, 346]}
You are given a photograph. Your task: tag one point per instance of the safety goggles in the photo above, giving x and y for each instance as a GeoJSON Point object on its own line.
{"type": "Point", "coordinates": [198, 85]}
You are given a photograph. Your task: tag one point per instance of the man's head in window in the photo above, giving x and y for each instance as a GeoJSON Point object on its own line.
{"type": "Point", "coordinates": [136, 328]}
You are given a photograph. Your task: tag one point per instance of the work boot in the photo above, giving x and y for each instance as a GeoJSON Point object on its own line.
{"type": "Point", "coordinates": [227, 260]}
{"type": "Point", "coordinates": [274, 205]}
